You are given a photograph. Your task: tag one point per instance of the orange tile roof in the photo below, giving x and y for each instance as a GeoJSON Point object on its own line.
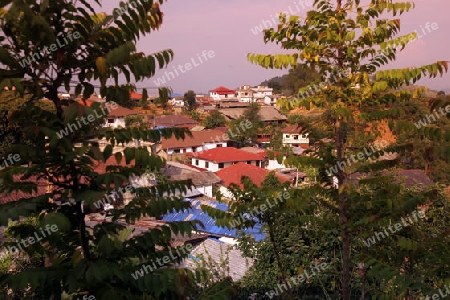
{"type": "Point", "coordinates": [234, 173]}
{"type": "Point", "coordinates": [227, 154]}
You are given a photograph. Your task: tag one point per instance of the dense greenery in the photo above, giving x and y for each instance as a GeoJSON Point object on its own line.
{"type": "Point", "coordinates": [214, 119]}
{"type": "Point", "coordinates": [347, 43]}
{"type": "Point", "coordinates": [79, 259]}
{"type": "Point", "coordinates": [190, 100]}
{"type": "Point", "coordinates": [299, 76]}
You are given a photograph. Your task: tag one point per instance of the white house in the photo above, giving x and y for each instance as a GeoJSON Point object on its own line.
{"type": "Point", "coordinates": [245, 93]}
{"type": "Point", "coordinates": [203, 181]}
{"type": "Point", "coordinates": [261, 91]}
{"type": "Point", "coordinates": [269, 164]}
{"type": "Point", "coordinates": [200, 141]}
{"type": "Point", "coordinates": [116, 117]}
{"type": "Point", "coordinates": [292, 137]}
{"type": "Point", "coordinates": [219, 158]}
{"type": "Point", "coordinates": [221, 93]}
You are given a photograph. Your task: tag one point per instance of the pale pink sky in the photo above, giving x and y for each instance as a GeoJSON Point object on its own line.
{"type": "Point", "coordinates": [225, 27]}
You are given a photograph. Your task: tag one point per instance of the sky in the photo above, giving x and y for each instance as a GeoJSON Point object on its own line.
{"type": "Point", "coordinates": [224, 32]}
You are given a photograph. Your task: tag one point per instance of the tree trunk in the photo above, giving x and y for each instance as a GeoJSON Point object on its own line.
{"type": "Point", "coordinates": [343, 215]}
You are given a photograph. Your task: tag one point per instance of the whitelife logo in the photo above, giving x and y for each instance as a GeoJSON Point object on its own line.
{"type": "Point", "coordinates": [188, 66]}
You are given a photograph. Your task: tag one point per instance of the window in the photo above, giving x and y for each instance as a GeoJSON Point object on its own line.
{"type": "Point", "coordinates": [219, 145]}
{"type": "Point", "coordinates": [288, 136]}
{"type": "Point", "coordinates": [196, 162]}
{"type": "Point", "coordinates": [110, 120]}
{"type": "Point", "coordinates": [249, 162]}
{"type": "Point", "coordinates": [257, 163]}
{"type": "Point", "coordinates": [295, 137]}
{"type": "Point", "coordinates": [176, 150]}
{"type": "Point", "coordinates": [220, 165]}
{"type": "Point", "coordinates": [206, 164]}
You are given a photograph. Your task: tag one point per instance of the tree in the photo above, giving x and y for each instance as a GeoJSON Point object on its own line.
{"type": "Point", "coordinates": [247, 135]}
{"type": "Point", "coordinates": [45, 46]}
{"type": "Point", "coordinates": [347, 44]}
{"type": "Point", "coordinates": [214, 119]}
{"type": "Point", "coordinates": [190, 100]}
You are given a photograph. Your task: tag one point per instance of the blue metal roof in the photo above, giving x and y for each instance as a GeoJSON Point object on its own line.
{"type": "Point", "coordinates": [196, 213]}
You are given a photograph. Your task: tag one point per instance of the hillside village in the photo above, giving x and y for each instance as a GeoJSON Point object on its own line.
{"type": "Point", "coordinates": [329, 181]}
{"type": "Point", "coordinates": [213, 160]}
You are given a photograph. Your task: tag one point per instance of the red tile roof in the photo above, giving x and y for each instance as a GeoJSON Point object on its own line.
{"type": "Point", "coordinates": [221, 90]}
{"type": "Point", "coordinates": [234, 173]}
{"type": "Point", "coordinates": [227, 154]}
{"type": "Point", "coordinates": [198, 139]}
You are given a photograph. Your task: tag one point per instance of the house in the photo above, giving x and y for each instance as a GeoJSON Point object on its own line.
{"type": "Point", "coordinates": [202, 181]}
{"type": "Point", "coordinates": [222, 92]}
{"type": "Point", "coordinates": [174, 121]}
{"type": "Point", "coordinates": [261, 91]}
{"type": "Point", "coordinates": [293, 137]}
{"type": "Point", "coordinates": [245, 93]}
{"type": "Point", "coordinates": [220, 158]}
{"type": "Point", "coordinates": [269, 164]}
{"type": "Point", "coordinates": [268, 114]}
{"type": "Point", "coordinates": [234, 173]}
{"type": "Point", "coordinates": [200, 141]}
{"type": "Point", "coordinates": [116, 117]}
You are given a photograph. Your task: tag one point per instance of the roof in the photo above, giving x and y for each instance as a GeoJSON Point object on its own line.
{"type": "Point", "coordinates": [121, 111]}
{"type": "Point", "coordinates": [198, 139]}
{"type": "Point", "coordinates": [237, 264]}
{"type": "Point", "coordinates": [177, 171]}
{"type": "Point", "coordinates": [17, 195]}
{"type": "Point", "coordinates": [225, 154]}
{"type": "Point", "coordinates": [234, 173]}
{"type": "Point", "coordinates": [412, 178]}
{"type": "Point", "coordinates": [221, 90]}
{"type": "Point", "coordinates": [173, 121]}
{"type": "Point", "coordinates": [100, 166]}
{"type": "Point", "coordinates": [135, 96]}
{"type": "Point", "coordinates": [292, 129]}
{"type": "Point", "coordinates": [209, 224]}
{"type": "Point", "coordinates": [261, 152]}
{"type": "Point", "coordinates": [267, 113]}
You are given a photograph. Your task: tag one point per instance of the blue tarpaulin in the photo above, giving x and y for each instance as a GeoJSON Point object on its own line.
{"type": "Point", "coordinates": [196, 213]}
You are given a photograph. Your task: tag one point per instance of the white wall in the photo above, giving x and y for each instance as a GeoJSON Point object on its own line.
{"type": "Point", "coordinates": [206, 146]}
{"type": "Point", "coordinates": [205, 190]}
{"type": "Point", "coordinates": [225, 192]}
{"type": "Point", "coordinates": [118, 122]}
{"type": "Point", "coordinates": [273, 164]}
{"type": "Point", "coordinates": [290, 140]}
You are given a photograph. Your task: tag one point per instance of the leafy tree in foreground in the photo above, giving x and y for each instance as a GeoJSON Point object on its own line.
{"type": "Point", "coordinates": [347, 43]}
{"type": "Point", "coordinates": [46, 46]}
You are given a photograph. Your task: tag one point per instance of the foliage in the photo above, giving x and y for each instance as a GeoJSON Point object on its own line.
{"type": "Point", "coordinates": [347, 43]}
{"type": "Point", "coordinates": [297, 77]}
{"type": "Point", "coordinates": [134, 121]}
{"type": "Point", "coordinates": [82, 259]}
{"type": "Point", "coordinates": [190, 100]}
{"type": "Point", "coordinates": [214, 119]}
{"type": "Point", "coordinates": [245, 129]}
